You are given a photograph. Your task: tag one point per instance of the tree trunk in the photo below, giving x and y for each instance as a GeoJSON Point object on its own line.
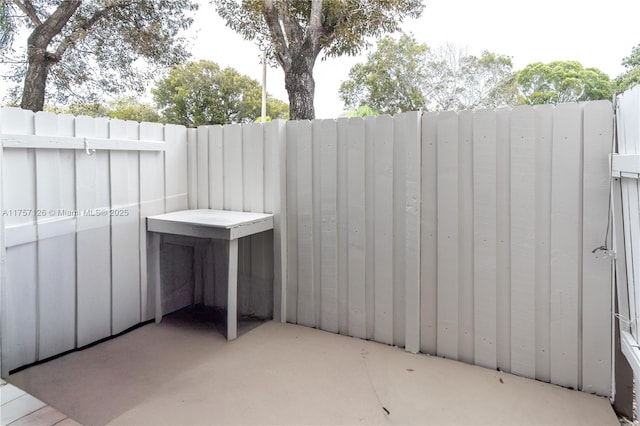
{"type": "Point", "coordinates": [35, 80]}
{"type": "Point", "coordinates": [298, 81]}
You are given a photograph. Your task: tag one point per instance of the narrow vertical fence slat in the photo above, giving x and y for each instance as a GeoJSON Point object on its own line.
{"type": "Point", "coordinates": [19, 322]}
{"type": "Point", "coordinates": [56, 235]}
{"type": "Point", "coordinates": [503, 253]}
{"type": "Point", "coordinates": [304, 179]}
{"type": "Point", "coordinates": [399, 229]}
{"type": "Point", "coordinates": [175, 168]}
{"type": "Point", "coordinates": [328, 170]}
{"type": "Point", "coordinates": [233, 183]}
{"type": "Point", "coordinates": [465, 247]}
{"type": "Point", "coordinates": [192, 168]}
{"type": "Point", "coordinates": [566, 249]}
{"type": "Point", "coordinates": [316, 138]}
{"type": "Point", "coordinates": [484, 238]}
{"type": "Point", "coordinates": [253, 167]}
{"type": "Point", "coordinates": [543, 144]}
{"type": "Point", "coordinates": [152, 202]}
{"type": "Point", "coordinates": [216, 168]}
{"type": "Point", "coordinates": [202, 161]}
{"type": "Point", "coordinates": [369, 173]}
{"type": "Point", "coordinates": [343, 289]}
{"type": "Point", "coordinates": [275, 149]}
{"type": "Point", "coordinates": [93, 239]}
{"type": "Point", "coordinates": [412, 232]}
{"type": "Point", "coordinates": [596, 267]}
{"type": "Point", "coordinates": [448, 235]}
{"type": "Point", "coordinates": [383, 236]}
{"type": "Point", "coordinates": [429, 236]}
{"type": "Point", "coordinates": [356, 228]}
{"type": "Point", "coordinates": [523, 217]}
{"type": "Point", "coordinates": [292, 220]}
{"type": "Point", "coordinates": [125, 251]}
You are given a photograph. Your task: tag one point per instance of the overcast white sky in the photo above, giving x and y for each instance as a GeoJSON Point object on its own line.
{"type": "Point", "coordinates": [598, 34]}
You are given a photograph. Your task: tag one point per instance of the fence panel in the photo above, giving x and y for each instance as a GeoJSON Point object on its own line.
{"type": "Point", "coordinates": [56, 239]}
{"type": "Point", "coordinates": [93, 240]}
{"type": "Point", "coordinates": [484, 238]}
{"type": "Point", "coordinates": [627, 230]}
{"type": "Point", "coordinates": [543, 144]}
{"type": "Point", "coordinates": [523, 216]}
{"type": "Point", "coordinates": [467, 235]}
{"type": "Point", "coordinates": [19, 326]}
{"type": "Point", "coordinates": [383, 225]}
{"type": "Point", "coordinates": [76, 262]}
{"type": "Point", "coordinates": [448, 235]}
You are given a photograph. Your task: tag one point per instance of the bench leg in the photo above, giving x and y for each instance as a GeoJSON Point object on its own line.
{"type": "Point", "coordinates": [232, 291]}
{"type": "Point", "coordinates": [153, 267]}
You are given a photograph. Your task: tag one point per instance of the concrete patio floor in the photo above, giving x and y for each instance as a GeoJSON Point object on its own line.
{"type": "Point", "coordinates": [183, 371]}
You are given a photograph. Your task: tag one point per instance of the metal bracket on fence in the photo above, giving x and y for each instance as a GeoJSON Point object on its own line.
{"type": "Point", "coordinates": [86, 148]}
{"type": "Point", "coordinates": [605, 250]}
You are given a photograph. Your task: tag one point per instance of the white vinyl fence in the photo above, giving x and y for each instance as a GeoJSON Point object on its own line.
{"type": "Point", "coordinates": [466, 235]}
{"type": "Point", "coordinates": [626, 190]}
{"type": "Point", "coordinates": [74, 226]}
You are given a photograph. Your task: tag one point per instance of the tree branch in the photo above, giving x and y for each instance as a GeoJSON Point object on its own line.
{"type": "Point", "coordinates": [29, 10]}
{"type": "Point", "coordinates": [316, 31]}
{"type": "Point", "coordinates": [44, 33]}
{"type": "Point", "coordinates": [82, 28]}
{"type": "Point", "coordinates": [277, 36]}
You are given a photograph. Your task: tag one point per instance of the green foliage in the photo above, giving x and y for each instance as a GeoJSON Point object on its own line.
{"type": "Point", "coordinates": [362, 111]}
{"type": "Point", "coordinates": [631, 77]}
{"type": "Point", "coordinates": [125, 108]}
{"type": "Point", "coordinates": [561, 81]}
{"type": "Point", "coordinates": [104, 46]}
{"type": "Point", "coordinates": [129, 108]}
{"type": "Point", "coordinates": [199, 93]}
{"type": "Point", "coordinates": [392, 78]}
{"type": "Point", "coordinates": [404, 75]}
{"type": "Point", "coordinates": [91, 109]}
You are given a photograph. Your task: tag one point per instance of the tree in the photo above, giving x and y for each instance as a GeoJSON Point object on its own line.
{"type": "Point", "coordinates": [198, 93]}
{"type": "Point", "coordinates": [83, 47]}
{"type": "Point", "coordinates": [457, 80]}
{"type": "Point", "coordinates": [129, 108]}
{"type": "Point", "coordinates": [405, 75]}
{"type": "Point", "coordinates": [296, 31]}
{"type": "Point", "coordinates": [561, 81]}
{"type": "Point", "coordinates": [391, 80]}
{"type": "Point", "coordinates": [631, 77]}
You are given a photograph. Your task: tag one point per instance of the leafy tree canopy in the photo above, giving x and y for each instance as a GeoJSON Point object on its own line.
{"type": "Point", "coordinates": [631, 77]}
{"type": "Point", "coordinates": [561, 81]}
{"type": "Point", "coordinates": [296, 31]}
{"type": "Point", "coordinates": [391, 80]}
{"type": "Point", "coordinates": [405, 75]}
{"type": "Point", "coordinates": [124, 108]}
{"type": "Point", "coordinates": [362, 111]}
{"type": "Point", "coordinates": [200, 93]}
{"type": "Point", "coordinates": [80, 49]}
